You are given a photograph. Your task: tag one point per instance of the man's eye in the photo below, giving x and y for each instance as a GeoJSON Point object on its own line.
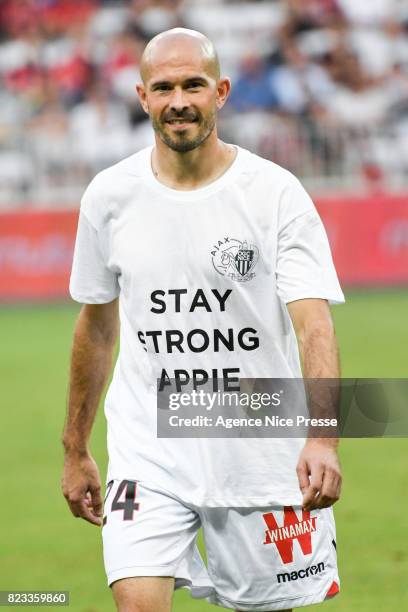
{"type": "Point", "coordinates": [194, 85]}
{"type": "Point", "coordinates": [162, 88]}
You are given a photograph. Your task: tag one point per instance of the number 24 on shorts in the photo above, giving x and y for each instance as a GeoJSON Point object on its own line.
{"type": "Point", "coordinates": [124, 499]}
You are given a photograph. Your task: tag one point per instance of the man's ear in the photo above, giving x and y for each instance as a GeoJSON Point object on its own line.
{"type": "Point", "coordinates": [141, 92]}
{"type": "Point", "coordinates": [223, 91]}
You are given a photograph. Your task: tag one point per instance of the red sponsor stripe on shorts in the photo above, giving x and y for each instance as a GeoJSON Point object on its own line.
{"type": "Point", "coordinates": [334, 589]}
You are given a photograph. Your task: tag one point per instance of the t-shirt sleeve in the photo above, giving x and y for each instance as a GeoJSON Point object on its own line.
{"type": "Point", "coordinates": [305, 266]}
{"type": "Point", "coordinates": [92, 281]}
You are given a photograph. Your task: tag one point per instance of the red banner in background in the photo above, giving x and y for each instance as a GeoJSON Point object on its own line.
{"type": "Point", "coordinates": [368, 236]}
{"type": "Point", "coordinates": [36, 254]}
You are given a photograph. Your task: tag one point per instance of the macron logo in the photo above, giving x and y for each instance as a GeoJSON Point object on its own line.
{"type": "Point", "coordinates": [303, 573]}
{"type": "Point", "coordinates": [293, 528]}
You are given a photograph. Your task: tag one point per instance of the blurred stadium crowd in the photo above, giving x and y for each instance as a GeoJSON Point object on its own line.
{"type": "Point", "coordinates": [319, 86]}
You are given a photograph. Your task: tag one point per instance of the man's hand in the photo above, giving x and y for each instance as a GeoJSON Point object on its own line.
{"type": "Point", "coordinates": [319, 474]}
{"type": "Point", "coordinates": [95, 335]}
{"type": "Point", "coordinates": [81, 486]}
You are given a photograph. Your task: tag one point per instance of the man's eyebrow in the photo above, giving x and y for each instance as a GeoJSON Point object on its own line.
{"type": "Point", "coordinates": [192, 79]}
{"type": "Point", "coordinates": [158, 83]}
{"type": "Point", "coordinates": [201, 79]}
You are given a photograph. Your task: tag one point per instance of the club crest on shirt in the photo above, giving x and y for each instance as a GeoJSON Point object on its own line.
{"type": "Point", "coordinates": [235, 259]}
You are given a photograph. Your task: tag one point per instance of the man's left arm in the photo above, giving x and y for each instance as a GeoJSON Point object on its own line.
{"type": "Point", "coordinates": [318, 467]}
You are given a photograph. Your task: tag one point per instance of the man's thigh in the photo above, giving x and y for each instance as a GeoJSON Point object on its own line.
{"type": "Point", "coordinates": [143, 594]}
{"type": "Point", "coordinates": [270, 559]}
{"type": "Point", "coordinates": [149, 537]}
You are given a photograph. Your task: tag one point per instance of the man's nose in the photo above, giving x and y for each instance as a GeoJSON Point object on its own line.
{"type": "Point", "coordinates": [178, 101]}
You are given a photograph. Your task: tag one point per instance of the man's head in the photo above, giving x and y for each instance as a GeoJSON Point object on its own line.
{"type": "Point", "coordinates": [182, 89]}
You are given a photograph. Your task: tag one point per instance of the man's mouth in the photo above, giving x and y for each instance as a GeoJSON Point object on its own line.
{"type": "Point", "coordinates": [181, 121]}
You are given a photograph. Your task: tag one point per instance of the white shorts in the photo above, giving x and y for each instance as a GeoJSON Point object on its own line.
{"type": "Point", "coordinates": [270, 558]}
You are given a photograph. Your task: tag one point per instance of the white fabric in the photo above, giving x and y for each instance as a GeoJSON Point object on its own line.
{"type": "Point", "coordinates": [250, 565]}
{"type": "Point", "coordinates": [360, 109]}
{"type": "Point", "coordinates": [137, 236]}
{"type": "Point", "coordinates": [374, 12]}
{"type": "Point", "coordinates": [99, 132]}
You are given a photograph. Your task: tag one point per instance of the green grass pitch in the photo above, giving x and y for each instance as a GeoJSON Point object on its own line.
{"type": "Point", "coordinates": [43, 547]}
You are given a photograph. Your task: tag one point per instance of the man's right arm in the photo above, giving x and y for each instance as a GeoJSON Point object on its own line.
{"type": "Point", "coordinates": [95, 336]}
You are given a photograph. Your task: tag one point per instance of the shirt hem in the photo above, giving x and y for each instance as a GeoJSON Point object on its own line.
{"type": "Point", "coordinates": [281, 498]}
{"type": "Point", "coordinates": [316, 295]}
{"type": "Point", "coordinates": [81, 299]}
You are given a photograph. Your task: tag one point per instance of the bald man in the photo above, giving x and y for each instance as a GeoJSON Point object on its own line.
{"type": "Point", "coordinates": [212, 260]}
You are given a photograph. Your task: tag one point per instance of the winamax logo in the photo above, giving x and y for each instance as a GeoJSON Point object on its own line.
{"type": "Point", "coordinates": [300, 574]}
{"type": "Point", "coordinates": [292, 529]}
{"type": "Point", "coordinates": [235, 259]}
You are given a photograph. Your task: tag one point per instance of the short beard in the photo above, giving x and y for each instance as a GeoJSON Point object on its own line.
{"type": "Point", "coordinates": [184, 146]}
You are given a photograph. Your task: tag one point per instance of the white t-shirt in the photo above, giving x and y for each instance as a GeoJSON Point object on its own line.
{"type": "Point", "coordinates": [239, 249]}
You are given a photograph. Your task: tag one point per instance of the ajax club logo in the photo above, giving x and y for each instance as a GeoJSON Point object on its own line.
{"type": "Point", "coordinates": [235, 259]}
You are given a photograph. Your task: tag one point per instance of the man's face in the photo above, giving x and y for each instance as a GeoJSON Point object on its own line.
{"type": "Point", "coordinates": [180, 96]}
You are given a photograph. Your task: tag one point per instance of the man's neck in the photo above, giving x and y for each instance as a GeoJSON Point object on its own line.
{"type": "Point", "coordinates": [194, 169]}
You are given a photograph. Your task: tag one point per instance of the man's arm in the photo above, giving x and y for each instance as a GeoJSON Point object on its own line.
{"type": "Point", "coordinates": [318, 467]}
{"type": "Point", "coordinates": [95, 336]}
